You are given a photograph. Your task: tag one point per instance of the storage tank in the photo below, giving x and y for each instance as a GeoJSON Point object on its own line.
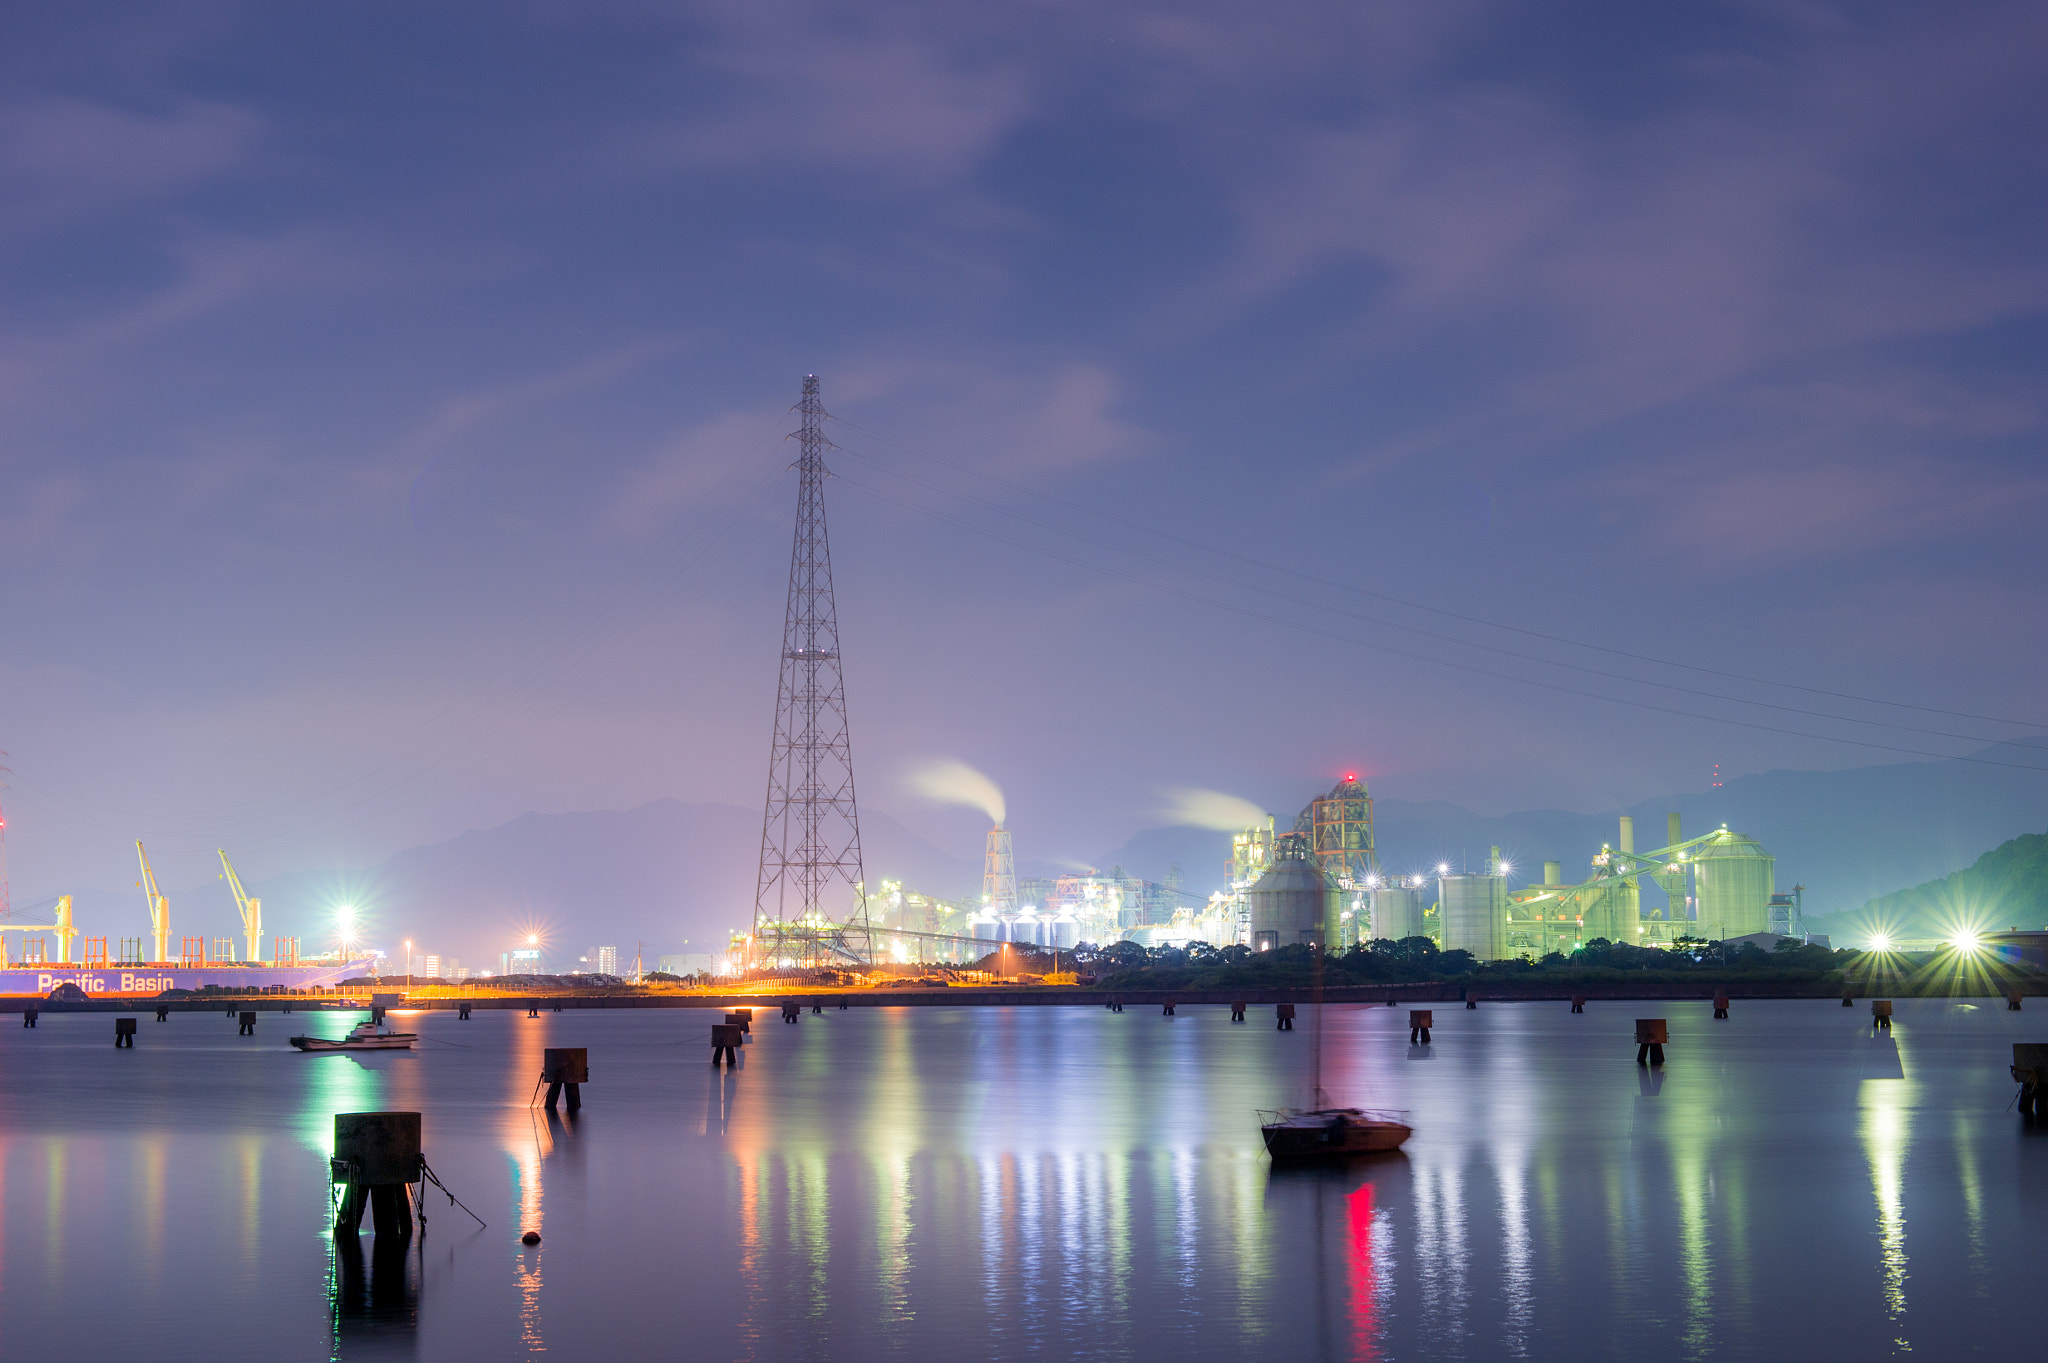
{"type": "Point", "coordinates": [1293, 901]}
{"type": "Point", "coordinates": [1475, 914]}
{"type": "Point", "coordinates": [1396, 913]}
{"type": "Point", "coordinates": [1614, 910]}
{"type": "Point", "coordinates": [1733, 879]}
{"type": "Point", "coordinates": [1066, 932]}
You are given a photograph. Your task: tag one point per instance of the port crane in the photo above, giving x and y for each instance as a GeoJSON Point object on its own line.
{"type": "Point", "coordinates": [159, 907]}
{"type": "Point", "coordinates": [252, 909]}
{"type": "Point", "coordinates": [62, 927]}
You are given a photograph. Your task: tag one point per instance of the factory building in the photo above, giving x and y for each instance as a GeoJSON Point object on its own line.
{"type": "Point", "coordinates": [1340, 826]}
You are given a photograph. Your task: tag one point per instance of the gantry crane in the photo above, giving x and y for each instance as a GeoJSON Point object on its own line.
{"type": "Point", "coordinates": [159, 907]}
{"type": "Point", "coordinates": [252, 909]}
{"type": "Point", "coordinates": [62, 927]}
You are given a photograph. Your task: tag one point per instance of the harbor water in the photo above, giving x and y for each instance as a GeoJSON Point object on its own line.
{"type": "Point", "coordinates": [1038, 1183]}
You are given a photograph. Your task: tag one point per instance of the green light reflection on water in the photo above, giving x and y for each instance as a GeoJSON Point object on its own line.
{"type": "Point", "coordinates": [1886, 1106]}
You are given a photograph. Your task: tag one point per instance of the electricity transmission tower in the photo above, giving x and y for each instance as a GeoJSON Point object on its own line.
{"type": "Point", "coordinates": [810, 832]}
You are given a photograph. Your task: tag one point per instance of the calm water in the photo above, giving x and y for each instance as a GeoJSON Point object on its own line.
{"type": "Point", "coordinates": [965, 1183]}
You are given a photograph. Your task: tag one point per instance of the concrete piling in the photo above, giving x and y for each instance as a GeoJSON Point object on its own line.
{"type": "Point", "coordinates": [746, 1020]}
{"type": "Point", "coordinates": [1721, 1005]}
{"type": "Point", "coordinates": [725, 1043]}
{"type": "Point", "coordinates": [1578, 1003]}
{"type": "Point", "coordinates": [1419, 1022]}
{"type": "Point", "coordinates": [1848, 998]}
{"type": "Point", "coordinates": [462, 1011]}
{"type": "Point", "coordinates": [376, 1161]}
{"type": "Point", "coordinates": [1237, 1011]}
{"type": "Point", "coordinates": [1471, 1000]}
{"type": "Point", "coordinates": [1881, 1014]}
{"type": "Point", "coordinates": [2012, 1002]}
{"type": "Point", "coordinates": [533, 1010]}
{"type": "Point", "coordinates": [28, 1017]}
{"type": "Point", "coordinates": [792, 1012]}
{"type": "Point", "coordinates": [1283, 1017]}
{"type": "Point", "coordinates": [163, 1013]}
{"type": "Point", "coordinates": [565, 1067]}
{"type": "Point", "coordinates": [248, 1027]}
{"type": "Point", "coordinates": [1651, 1034]}
{"type": "Point", "coordinates": [124, 1033]}
{"type": "Point", "coordinates": [817, 1007]}
{"type": "Point", "coordinates": [1167, 1009]}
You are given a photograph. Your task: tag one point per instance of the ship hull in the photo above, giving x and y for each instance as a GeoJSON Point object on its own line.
{"type": "Point", "coordinates": [146, 981]}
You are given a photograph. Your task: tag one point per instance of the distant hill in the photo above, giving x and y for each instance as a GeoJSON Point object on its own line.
{"type": "Point", "coordinates": [2007, 887]}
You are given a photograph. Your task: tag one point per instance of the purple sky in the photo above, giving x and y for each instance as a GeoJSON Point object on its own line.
{"type": "Point", "coordinates": [390, 402]}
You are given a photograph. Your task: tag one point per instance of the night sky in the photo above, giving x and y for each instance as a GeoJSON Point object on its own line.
{"type": "Point", "coordinates": [1524, 406]}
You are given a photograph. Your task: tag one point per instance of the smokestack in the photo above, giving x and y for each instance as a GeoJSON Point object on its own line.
{"type": "Point", "coordinates": [999, 875]}
{"type": "Point", "coordinates": [1628, 834]}
{"type": "Point", "coordinates": [1493, 861]}
{"type": "Point", "coordinates": [1671, 829]}
{"type": "Point", "coordinates": [1553, 873]}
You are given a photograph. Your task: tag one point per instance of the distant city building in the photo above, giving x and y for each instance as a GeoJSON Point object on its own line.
{"type": "Point", "coordinates": [433, 966]}
{"type": "Point", "coordinates": [689, 963]}
{"type": "Point", "coordinates": [607, 962]}
{"type": "Point", "coordinates": [525, 961]}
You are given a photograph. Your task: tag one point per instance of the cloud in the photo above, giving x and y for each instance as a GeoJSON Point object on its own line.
{"type": "Point", "coordinates": [66, 159]}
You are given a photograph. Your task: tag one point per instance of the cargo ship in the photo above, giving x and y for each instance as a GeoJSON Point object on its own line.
{"type": "Point", "coordinates": [26, 967]}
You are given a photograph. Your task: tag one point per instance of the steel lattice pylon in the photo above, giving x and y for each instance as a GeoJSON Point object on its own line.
{"type": "Point", "coordinates": [810, 832]}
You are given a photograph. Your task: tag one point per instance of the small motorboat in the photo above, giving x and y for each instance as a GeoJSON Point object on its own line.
{"type": "Point", "coordinates": [372, 1035]}
{"type": "Point", "coordinates": [1324, 1132]}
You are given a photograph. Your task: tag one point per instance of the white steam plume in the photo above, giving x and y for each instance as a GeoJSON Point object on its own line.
{"type": "Point", "coordinates": [955, 783]}
{"type": "Point", "coordinates": [1211, 809]}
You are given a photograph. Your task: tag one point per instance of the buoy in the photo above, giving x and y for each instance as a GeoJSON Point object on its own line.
{"type": "Point", "coordinates": [532, 1237]}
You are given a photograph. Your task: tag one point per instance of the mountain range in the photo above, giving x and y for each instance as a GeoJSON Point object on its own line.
{"type": "Point", "coordinates": [679, 876]}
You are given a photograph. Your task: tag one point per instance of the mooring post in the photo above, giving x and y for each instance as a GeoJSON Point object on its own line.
{"type": "Point", "coordinates": [248, 1024]}
{"type": "Point", "coordinates": [163, 1013]}
{"type": "Point", "coordinates": [1283, 1017]}
{"type": "Point", "coordinates": [124, 1033]}
{"type": "Point", "coordinates": [2012, 1001]}
{"type": "Point", "coordinates": [28, 1017]}
{"type": "Point", "coordinates": [533, 1009]}
{"type": "Point", "coordinates": [1578, 1003]}
{"type": "Point", "coordinates": [462, 1011]}
{"type": "Point", "coordinates": [1651, 1034]}
{"type": "Point", "coordinates": [565, 1067]}
{"type": "Point", "coordinates": [1721, 1004]}
{"type": "Point", "coordinates": [1167, 1010]}
{"type": "Point", "coordinates": [376, 1160]}
{"type": "Point", "coordinates": [1419, 1022]}
{"type": "Point", "coordinates": [817, 1007]}
{"type": "Point", "coordinates": [746, 1020]}
{"type": "Point", "coordinates": [1237, 1012]}
{"type": "Point", "coordinates": [725, 1043]}
{"type": "Point", "coordinates": [842, 1003]}
{"type": "Point", "coordinates": [1848, 998]}
{"type": "Point", "coordinates": [1471, 999]}
{"type": "Point", "coordinates": [792, 1012]}
{"type": "Point", "coordinates": [1881, 1014]}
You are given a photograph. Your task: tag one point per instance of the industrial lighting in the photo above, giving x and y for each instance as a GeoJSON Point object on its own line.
{"type": "Point", "coordinates": [1506, 867]}
{"type": "Point", "coordinates": [1880, 941]}
{"type": "Point", "coordinates": [1443, 868]}
{"type": "Point", "coordinates": [1967, 941]}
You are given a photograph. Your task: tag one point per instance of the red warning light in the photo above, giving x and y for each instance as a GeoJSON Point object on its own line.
{"type": "Point", "coordinates": [1351, 776]}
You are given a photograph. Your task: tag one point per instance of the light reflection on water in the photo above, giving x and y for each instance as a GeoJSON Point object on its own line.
{"type": "Point", "coordinates": [1040, 1183]}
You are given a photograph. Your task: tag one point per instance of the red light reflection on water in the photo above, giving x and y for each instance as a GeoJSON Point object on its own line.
{"type": "Point", "coordinates": [1364, 1324]}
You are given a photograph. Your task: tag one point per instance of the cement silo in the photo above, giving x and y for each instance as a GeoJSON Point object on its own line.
{"type": "Point", "coordinates": [1293, 901]}
{"type": "Point", "coordinates": [1396, 912]}
{"type": "Point", "coordinates": [1733, 879]}
{"type": "Point", "coordinates": [1474, 911]}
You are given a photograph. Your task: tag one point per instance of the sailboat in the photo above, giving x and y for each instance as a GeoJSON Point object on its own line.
{"type": "Point", "coordinates": [1324, 1130]}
